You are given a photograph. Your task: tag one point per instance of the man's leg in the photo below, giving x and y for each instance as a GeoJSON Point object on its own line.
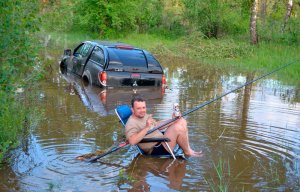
{"type": "Point", "coordinates": [178, 134]}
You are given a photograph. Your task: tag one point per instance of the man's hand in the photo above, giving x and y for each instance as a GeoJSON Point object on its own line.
{"type": "Point", "coordinates": [150, 122]}
{"type": "Point", "coordinates": [179, 116]}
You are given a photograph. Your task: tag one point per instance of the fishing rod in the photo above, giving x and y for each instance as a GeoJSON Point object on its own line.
{"type": "Point", "coordinates": [123, 144]}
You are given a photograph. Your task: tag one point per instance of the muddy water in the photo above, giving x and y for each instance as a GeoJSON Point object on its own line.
{"type": "Point", "coordinates": [250, 138]}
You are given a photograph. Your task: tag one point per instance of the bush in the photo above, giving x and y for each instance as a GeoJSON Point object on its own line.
{"type": "Point", "coordinates": [19, 66]}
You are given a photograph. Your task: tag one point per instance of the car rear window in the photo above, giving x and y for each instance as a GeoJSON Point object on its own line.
{"type": "Point", "coordinates": [126, 58]}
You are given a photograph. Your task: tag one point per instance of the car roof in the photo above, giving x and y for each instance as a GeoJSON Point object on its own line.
{"type": "Point", "coordinates": [110, 43]}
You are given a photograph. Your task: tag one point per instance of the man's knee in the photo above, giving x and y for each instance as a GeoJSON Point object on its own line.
{"type": "Point", "coordinates": [181, 122]}
{"type": "Point", "coordinates": [180, 127]}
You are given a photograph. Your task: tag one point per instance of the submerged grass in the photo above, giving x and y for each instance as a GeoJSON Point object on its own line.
{"type": "Point", "coordinates": [222, 180]}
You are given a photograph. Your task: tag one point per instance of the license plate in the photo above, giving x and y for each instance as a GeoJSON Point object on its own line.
{"type": "Point", "coordinates": [135, 76]}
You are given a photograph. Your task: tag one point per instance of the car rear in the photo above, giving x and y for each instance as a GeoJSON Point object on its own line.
{"type": "Point", "coordinates": [128, 66]}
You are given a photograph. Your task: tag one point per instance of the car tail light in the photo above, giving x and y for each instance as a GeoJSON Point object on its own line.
{"type": "Point", "coordinates": [124, 47]}
{"type": "Point", "coordinates": [163, 80]}
{"type": "Point", "coordinates": [102, 78]}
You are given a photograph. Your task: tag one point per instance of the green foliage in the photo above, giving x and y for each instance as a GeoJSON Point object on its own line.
{"type": "Point", "coordinates": [271, 21]}
{"type": "Point", "coordinates": [10, 121]}
{"type": "Point", "coordinates": [215, 18]}
{"type": "Point", "coordinates": [106, 18]}
{"type": "Point", "coordinates": [18, 52]}
{"type": "Point", "coordinates": [150, 15]}
{"type": "Point", "coordinates": [16, 119]}
{"type": "Point", "coordinates": [19, 66]}
{"type": "Point", "coordinates": [172, 18]}
{"type": "Point", "coordinates": [57, 16]}
{"type": "Point", "coordinates": [113, 18]}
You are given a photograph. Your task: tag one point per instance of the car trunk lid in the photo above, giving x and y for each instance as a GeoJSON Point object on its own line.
{"type": "Point", "coordinates": [116, 78]}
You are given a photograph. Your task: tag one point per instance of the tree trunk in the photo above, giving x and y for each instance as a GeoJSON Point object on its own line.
{"type": "Point", "coordinates": [288, 14]}
{"type": "Point", "coordinates": [253, 31]}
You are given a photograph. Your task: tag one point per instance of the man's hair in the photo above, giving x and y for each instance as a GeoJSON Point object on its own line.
{"type": "Point", "coordinates": [137, 98]}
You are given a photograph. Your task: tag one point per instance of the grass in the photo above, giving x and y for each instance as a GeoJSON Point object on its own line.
{"type": "Point", "coordinates": [16, 119]}
{"type": "Point", "coordinates": [11, 121]}
{"type": "Point", "coordinates": [222, 170]}
{"type": "Point", "coordinates": [221, 178]}
{"type": "Point", "coordinates": [225, 51]}
{"type": "Point", "coordinates": [123, 177]}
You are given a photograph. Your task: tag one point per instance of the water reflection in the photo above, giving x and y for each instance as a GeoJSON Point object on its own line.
{"type": "Point", "coordinates": [104, 101]}
{"type": "Point", "coordinates": [142, 169]}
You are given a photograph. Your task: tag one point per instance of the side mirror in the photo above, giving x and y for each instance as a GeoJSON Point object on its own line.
{"type": "Point", "coordinates": [68, 52]}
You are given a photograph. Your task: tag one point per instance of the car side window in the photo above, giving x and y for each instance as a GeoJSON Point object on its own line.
{"type": "Point", "coordinates": [152, 62]}
{"type": "Point", "coordinates": [83, 50]}
{"type": "Point", "coordinates": [98, 56]}
{"type": "Point", "coordinates": [153, 65]}
{"type": "Point", "coordinates": [78, 50]}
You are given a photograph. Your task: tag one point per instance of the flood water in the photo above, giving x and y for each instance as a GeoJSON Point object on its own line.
{"type": "Point", "coordinates": [249, 138]}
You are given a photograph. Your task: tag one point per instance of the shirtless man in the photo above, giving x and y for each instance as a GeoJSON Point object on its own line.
{"type": "Point", "coordinates": [140, 123]}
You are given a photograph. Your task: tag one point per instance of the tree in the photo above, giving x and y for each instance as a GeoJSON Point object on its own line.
{"type": "Point", "coordinates": [288, 14]}
{"type": "Point", "coordinates": [253, 23]}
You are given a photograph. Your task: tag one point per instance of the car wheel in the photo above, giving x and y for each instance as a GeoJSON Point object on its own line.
{"type": "Point", "coordinates": [63, 67]}
{"type": "Point", "coordinates": [86, 77]}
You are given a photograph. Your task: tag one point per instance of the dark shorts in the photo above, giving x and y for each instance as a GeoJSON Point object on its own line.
{"type": "Point", "coordinates": [159, 149]}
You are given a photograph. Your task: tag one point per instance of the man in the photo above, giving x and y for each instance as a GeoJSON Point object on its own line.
{"type": "Point", "coordinates": [140, 123]}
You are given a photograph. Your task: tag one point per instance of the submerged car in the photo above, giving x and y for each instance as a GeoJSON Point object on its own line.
{"type": "Point", "coordinates": [112, 64]}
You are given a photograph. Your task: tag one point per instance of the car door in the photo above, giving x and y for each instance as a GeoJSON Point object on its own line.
{"type": "Point", "coordinates": [80, 57]}
{"type": "Point", "coordinates": [94, 65]}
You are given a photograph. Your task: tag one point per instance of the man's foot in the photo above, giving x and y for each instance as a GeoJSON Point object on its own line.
{"type": "Point", "coordinates": [193, 153]}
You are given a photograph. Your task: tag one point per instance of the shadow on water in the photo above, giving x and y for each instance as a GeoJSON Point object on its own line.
{"type": "Point", "coordinates": [250, 138]}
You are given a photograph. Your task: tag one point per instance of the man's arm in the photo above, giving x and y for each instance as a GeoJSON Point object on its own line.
{"type": "Point", "coordinates": [165, 121]}
{"type": "Point", "coordinates": [135, 138]}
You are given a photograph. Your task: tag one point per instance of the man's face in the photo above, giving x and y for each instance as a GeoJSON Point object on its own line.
{"type": "Point", "coordinates": [139, 109]}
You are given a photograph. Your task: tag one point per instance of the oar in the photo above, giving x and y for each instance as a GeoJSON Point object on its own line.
{"type": "Point", "coordinates": [124, 144]}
